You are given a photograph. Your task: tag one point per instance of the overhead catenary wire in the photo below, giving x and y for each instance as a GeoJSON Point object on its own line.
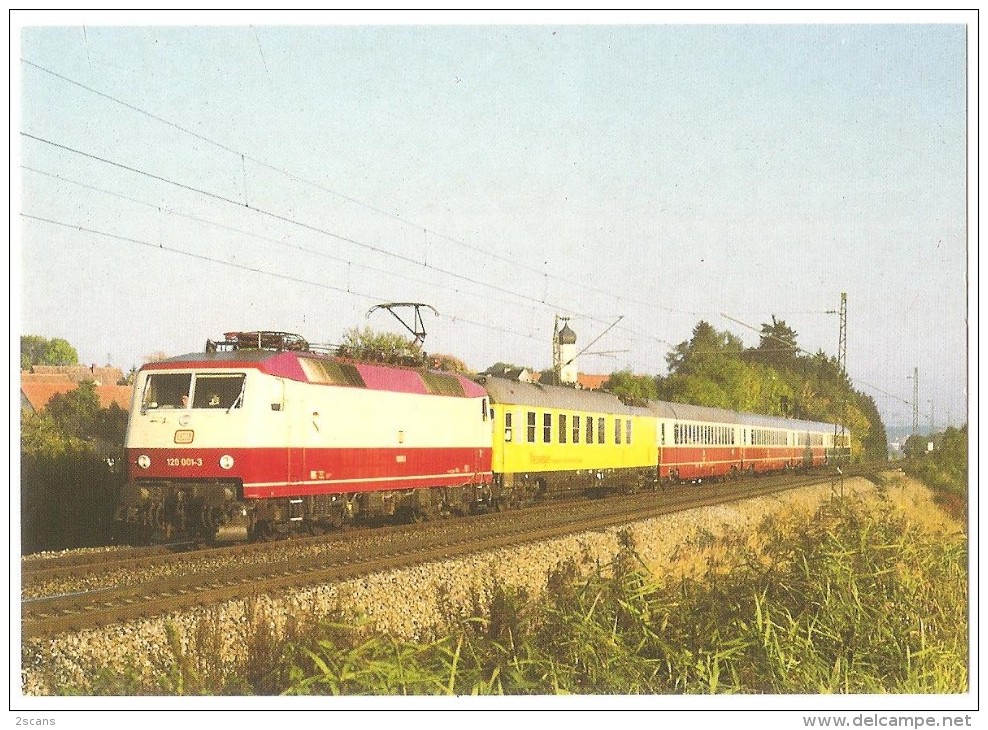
{"type": "Point", "coordinates": [244, 156]}
{"type": "Point", "coordinates": [350, 199]}
{"type": "Point", "coordinates": [254, 269]}
{"type": "Point", "coordinates": [232, 229]}
{"type": "Point", "coordinates": [288, 219]}
{"type": "Point", "coordinates": [323, 231]}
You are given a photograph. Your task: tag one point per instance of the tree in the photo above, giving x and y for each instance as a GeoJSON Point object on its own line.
{"type": "Point", "coordinates": [706, 349]}
{"type": "Point", "coordinates": [627, 385]}
{"type": "Point", "coordinates": [778, 342]}
{"type": "Point", "coordinates": [447, 363]}
{"type": "Point", "coordinates": [37, 350]}
{"type": "Point", "coordinates": [366, 344]}
{"type": "Point", "coordinates": [41, 437]}
{"type": "Point", "coordinates": [499, 368]}
{"type": "Point", "coordinates": [75, 413]}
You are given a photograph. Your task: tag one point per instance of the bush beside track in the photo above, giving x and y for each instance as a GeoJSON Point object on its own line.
{"type": "Point", "coordinates": [67, 501]}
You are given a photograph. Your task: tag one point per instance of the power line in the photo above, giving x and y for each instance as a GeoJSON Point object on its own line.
{"type": "Point", "coordinates": [244, 156]}
{"type": "Point", "coordinates": [253, 269]}
{"type": "Point", "coordinates": [290, 220]}
{"type": "Point", "coordinates": [350, 199]}
{"type": "Point", "coordinates": [232, 229]}
{"type": "Point", "coordinates": [323, 231]}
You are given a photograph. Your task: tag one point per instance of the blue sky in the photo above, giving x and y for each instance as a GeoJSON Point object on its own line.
{"type": "Point", "coordinates": [292, 177]}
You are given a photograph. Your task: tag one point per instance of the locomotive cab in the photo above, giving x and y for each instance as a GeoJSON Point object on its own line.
{"type": "Point", "coordinates": [189, 449]}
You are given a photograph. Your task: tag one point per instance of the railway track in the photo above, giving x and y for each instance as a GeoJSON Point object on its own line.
{"type": "Point", "coordinates": [218, 574]}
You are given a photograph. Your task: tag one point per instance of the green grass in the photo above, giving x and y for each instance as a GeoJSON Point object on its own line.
{"type": "Point", "coordinates": [855, 599]}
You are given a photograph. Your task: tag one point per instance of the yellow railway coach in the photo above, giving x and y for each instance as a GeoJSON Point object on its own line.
{"type": "Point", "coordinates": [550, 439]}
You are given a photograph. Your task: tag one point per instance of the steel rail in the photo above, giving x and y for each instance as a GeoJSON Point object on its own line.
{"type": "Point", "coordinates": [46, 617]}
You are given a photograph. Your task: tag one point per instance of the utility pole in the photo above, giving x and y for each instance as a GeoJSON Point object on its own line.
{"type": "Point", "coordinates": [840, 438]}
{"type": "Point", "coordinates": [842, 338]}
{"type": "Point", "coordinates": [915, 378]}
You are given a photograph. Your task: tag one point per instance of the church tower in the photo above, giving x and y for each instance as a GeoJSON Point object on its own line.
{"type": "Point", "coordinates": [564, 353]}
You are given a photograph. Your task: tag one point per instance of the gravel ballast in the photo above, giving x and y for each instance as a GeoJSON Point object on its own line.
{"type": "Point", "coordinates": [411, 603]}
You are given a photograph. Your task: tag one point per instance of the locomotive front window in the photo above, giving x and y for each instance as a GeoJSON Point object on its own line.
{"type": "Point", "coordinates": [219, 391]}
{"type": "Point", "coordinates": [167, 390]}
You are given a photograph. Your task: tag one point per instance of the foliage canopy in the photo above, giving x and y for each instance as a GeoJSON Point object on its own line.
{"type": "Point", "coordinates": [37, 350]}
{"type": "Point", "coordinates": [776, 378]}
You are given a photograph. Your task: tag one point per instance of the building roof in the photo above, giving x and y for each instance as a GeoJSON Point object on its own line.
{"type": "Point", "coordinates": [35, 396]}
{"type": "Point", "coordinates": [567, 336]}
{"type": "Point", "coordinates": [591, 382]}
{"type": "Point", "coordinates": [73, 373]}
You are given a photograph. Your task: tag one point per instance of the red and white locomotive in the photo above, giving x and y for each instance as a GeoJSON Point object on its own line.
{"type": "Point", "coordinates": [259, 435]}
{"type": "Point", "coordinates": [242, 440]}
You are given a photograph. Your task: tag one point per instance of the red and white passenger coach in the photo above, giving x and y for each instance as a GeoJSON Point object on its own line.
{"type": "Point", "coordinates": [698, 442]}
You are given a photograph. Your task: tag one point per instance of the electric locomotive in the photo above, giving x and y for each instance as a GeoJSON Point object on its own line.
{"type": "Point", "coordinates": [259, 433]}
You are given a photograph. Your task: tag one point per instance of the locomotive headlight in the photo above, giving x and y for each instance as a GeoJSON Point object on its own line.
{"type": "Point", "coordinates": [144, 461]}
{"type": "Point", "coordinates": [226, 461]}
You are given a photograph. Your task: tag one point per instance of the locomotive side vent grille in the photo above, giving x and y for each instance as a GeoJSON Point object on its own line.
{"type": "Point", "coordinates": [332, 372]}
{"type": "Point", "coordinates": [438, 384]}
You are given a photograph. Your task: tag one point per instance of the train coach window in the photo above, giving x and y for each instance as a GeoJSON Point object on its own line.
{"type": "Point", "coordinates": [562, 428]}
{"type": "Point", "coordinates": [600, 431]}
{"type": "Point", "coordinates": [576, 429]}
{"type": "Point", "coordinates": [531, 427]}
{"type": "Point", "coordinates": [218, 391]}
{"type": "Point", "coordinates": [547, 428]}
{"type": "Point", "coordinates": [167, 390]}
{"type": "Point", "coordinates": [617, 430]}
{"type": "Point", "coordinates": [627, 431]}
{"type": "Point", "coordinates": [589, 429]}
{"type": "Point", "coordinates": [507, 425]}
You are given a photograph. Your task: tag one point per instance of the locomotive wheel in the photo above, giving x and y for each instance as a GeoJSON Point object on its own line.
{"type": "Point", "coordinates": [263, 531]}
{"type": "Point", "coordinates": [411, 515]}
{"type": "Point", "coordinates": [334, 521]}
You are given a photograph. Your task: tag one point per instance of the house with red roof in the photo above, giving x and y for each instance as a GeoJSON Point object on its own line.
{"type": "Point", "coordinates": [43, 382]}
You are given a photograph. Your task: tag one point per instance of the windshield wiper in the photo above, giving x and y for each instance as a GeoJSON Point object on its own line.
{"type": "Point", "coordinates": [239, 399]}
